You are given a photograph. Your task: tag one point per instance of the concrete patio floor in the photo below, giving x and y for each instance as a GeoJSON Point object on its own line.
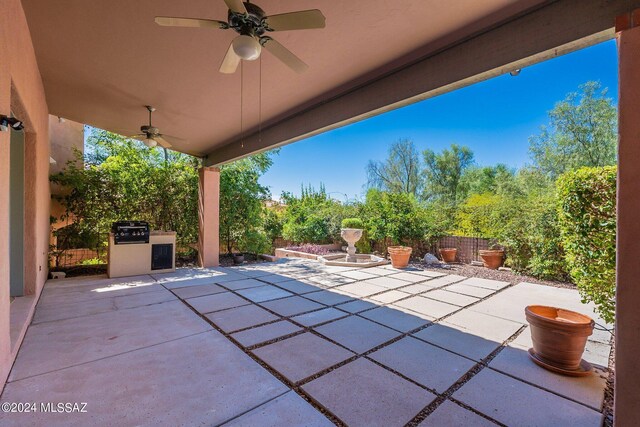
{"type": "Point", "coordinates": [298, 343]}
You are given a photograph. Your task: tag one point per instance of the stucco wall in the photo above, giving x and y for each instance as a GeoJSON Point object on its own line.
{"type": "Point", "coordinates": [627, 392]}
{"type": "Point", "coordinates": [22, 92]}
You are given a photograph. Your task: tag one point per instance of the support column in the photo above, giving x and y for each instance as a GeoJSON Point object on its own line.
{"type": "Point", "coordinates": [627, 391]}
{"type": "Point", "coordinates": [209, 217]}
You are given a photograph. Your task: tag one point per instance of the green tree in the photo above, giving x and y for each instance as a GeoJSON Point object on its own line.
{"type": "Point", "coordinates": [582, 131]}
{"type": "Point", "coordinates": [242, 197]}
{"type": "Point", "coordinates": [400, 172]}
{"type": "Point", "coordinates": [443, 172]}
{"type": "Point", "coordinates": [498, 179]}
{"type": "Point", "coordinates": [118, 179]}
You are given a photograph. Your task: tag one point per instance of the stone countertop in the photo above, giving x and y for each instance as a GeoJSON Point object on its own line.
{"type": "Point", "coordinates": [162, 233]}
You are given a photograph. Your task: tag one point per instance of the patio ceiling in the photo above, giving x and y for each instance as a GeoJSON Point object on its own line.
{"type": "Point", "coordinates": [102, 61]}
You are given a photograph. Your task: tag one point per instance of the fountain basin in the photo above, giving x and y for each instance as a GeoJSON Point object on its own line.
{"type": "Point", "coordinates": [361, 260]}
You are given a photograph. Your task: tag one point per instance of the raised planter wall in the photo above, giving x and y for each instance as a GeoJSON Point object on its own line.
{"type": "Point", "coordinates": [286, 253]}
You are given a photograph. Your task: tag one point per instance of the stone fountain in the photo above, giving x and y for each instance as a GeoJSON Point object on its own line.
{"type": "Point", "coordinates": [351, 236]}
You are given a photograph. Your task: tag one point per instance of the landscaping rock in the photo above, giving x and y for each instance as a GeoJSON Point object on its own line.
{"type": "Point", "coordinates": [430, 259]}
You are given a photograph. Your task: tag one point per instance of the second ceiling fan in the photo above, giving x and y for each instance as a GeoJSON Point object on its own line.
{"type": "Point", "coordinates": [251, 23]}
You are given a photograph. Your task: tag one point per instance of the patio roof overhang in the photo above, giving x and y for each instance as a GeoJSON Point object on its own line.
{"type": "Point", "coordinates": [102, 61]}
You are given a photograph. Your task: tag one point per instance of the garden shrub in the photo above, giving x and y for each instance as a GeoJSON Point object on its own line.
{"type": "Point", "coordinates": [474, 217]}
{"type": "Point", "coordinates": [587, 219]}
{"type": "Point", "coordinates": [119, 178]}
{"type": "Point", "coordinates": [396, 218]}
{"type": "Point", "coordinates": [255, 242]}
{"type": "Point", "coordinates": [272, 224]}
{"type": "Point", "coordinates": [522, 220]}
{"type": "Point", "coordinates": [313, 217]}
{"type": "Point", "coordinates": [548, 259]}
{"type": "Point", "coordinates": [352, 223]}
{"type": "Point", "coordinates": [363, 246]}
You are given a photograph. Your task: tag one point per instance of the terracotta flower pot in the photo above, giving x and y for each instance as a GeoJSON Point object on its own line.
{"type": "Point", "coordinates": [559, 337]}
{"type": "Point", "coordinates": [399, 256]}
{"type": "Point", "coordinates": [492, 258]}
{"type": "Point", "coordinates": [448, 254]}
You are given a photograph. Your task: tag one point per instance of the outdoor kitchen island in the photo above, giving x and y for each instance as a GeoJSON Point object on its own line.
{"type": "Point", "coordinates": [135, 250]}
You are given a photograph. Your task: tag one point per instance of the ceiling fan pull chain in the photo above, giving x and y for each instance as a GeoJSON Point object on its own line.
{"type": "Point", "coordinates": [260, 103]}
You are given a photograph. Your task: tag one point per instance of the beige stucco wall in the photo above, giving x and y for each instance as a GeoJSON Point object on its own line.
{"type": "Point", "coordinates": [209, 217]}
{"type": "Point", "coordinates": [22, 92]}
{"type": "Point", "coordinates": [627, 391]}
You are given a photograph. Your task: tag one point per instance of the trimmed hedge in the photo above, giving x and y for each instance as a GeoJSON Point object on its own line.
{"type": "Point", "coordinates": [587, 219]}
{"type": "Point", "coordinates": [352, 223]}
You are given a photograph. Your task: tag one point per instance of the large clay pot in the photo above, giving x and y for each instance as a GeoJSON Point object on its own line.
{"type": "Point", "coordinates": [559, 336]}
{"type": "Point", "coordinates": [492, 258]}
{"type": "Point", "coordinates": [448, 254]}
{"type": "Point", "coordinates": [399, 256]}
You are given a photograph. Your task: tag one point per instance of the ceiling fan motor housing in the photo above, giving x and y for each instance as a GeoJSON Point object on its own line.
{"type": "Point", "coordinates": [150, 130]}
{"type": "Point", "coordinates": [251, 24]}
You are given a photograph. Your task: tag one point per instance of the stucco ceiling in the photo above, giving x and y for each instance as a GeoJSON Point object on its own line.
{"type": "Point", "coordinates": [102, 60]}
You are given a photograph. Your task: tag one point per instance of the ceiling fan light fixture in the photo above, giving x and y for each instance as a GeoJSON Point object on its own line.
{"type": "Point", "coordinates": [150, 142]}
{"type": "Point", "coordinates": [247, 47]}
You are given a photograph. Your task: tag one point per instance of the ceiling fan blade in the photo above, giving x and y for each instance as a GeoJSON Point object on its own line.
{"type": "Point", "coordinates": [284, 55]}
{"type": "Point", "coordinates": [171, 138]}
{"type": "Point", "coordinates": [236, 6]}
{"type": "Point", "coordinates": [125, 132]}
{"type": "Point", "coordinates": [171, 21]}
{"type": "Point", "coordinates": [161, 141]}
{"type": "Point", "coordinates": [303, 20]}
{"type": "Point", "coordinates": [230, 62]}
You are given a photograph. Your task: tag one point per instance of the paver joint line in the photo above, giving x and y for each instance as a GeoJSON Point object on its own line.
{"type": "Point", "coordinates": [447, 394]}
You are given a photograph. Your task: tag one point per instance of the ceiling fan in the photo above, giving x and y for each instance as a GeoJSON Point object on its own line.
{"type": "Point", "coordinates": [251, 22]}
{"type": "Point", "coordinates": [150, 135]}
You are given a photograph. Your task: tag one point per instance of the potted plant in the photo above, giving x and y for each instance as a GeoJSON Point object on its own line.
{"type": "Point", "coordinates": [559, 337]}
{"type": "Point", "coordinates": [448, 254]}
{"type": "Point", "coordinates": [399, 255]}
{"type": "Point", "coordinates": [492, 258]}
{"type": "Point", "coordinates": [351, 232]}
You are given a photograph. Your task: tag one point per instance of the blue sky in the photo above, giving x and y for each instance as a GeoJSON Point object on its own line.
{"type": "Point", "coordinates": [494, 118]}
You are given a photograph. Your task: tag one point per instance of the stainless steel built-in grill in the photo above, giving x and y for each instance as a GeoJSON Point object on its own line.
{"type": "Point", "coordinates": [130, 232]}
